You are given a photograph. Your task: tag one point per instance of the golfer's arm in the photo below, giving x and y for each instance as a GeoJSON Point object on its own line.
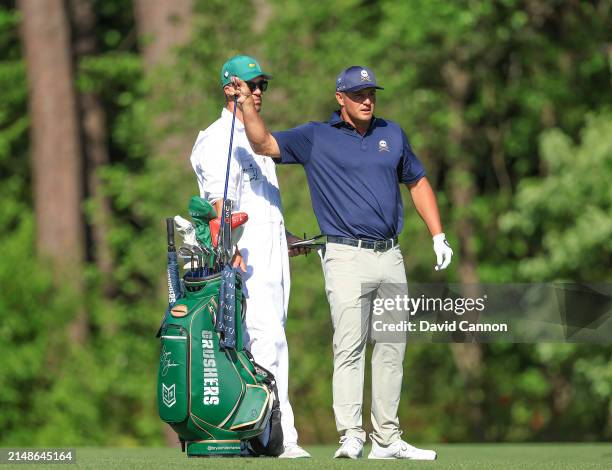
{"type": "Point", "coordinates": [260, 139]}
{"type": "Point", "coordinates": [426, 205]}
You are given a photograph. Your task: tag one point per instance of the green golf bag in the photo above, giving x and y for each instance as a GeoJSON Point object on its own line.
{"type": "Point", "coordinates": [216, 398]}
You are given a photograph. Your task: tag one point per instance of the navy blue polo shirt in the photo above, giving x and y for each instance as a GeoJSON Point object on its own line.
{"type": "Point", "coordinates": [353, 179]}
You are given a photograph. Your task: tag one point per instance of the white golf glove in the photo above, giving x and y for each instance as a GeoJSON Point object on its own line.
{"type": "Point", "coordinates": [443, 251]}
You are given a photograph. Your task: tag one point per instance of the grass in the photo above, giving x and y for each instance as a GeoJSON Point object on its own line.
{"type": "Point", "coordinates": [450, 456]}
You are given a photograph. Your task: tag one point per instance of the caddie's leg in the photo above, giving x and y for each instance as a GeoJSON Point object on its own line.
{"type": "Point", "coordinates": [265, 284]}
{"type": "Point", "coordinates": [388, 352]}
{"type": "Point", "coordinates": [345, 269]}
{"type": "Point", "coordinates": [290, 435]}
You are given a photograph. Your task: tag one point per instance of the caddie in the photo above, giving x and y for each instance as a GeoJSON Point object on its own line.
{"type": "Point", "coordinates": [355, 163]}
{"type": "Point", "coordinates": [263, 251]}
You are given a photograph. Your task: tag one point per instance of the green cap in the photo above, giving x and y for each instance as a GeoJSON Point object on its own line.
{"type": "Point", "coordinates": [243, 67]}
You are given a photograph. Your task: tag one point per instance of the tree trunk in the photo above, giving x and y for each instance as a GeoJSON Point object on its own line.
{"type": "Point", "coordinates": [467, 356]}
{"type": "Point", "coordinates": [55, 150]}
{"type": "Point", "coordinates": [162, 26]}
{"type": "Point", "coordinates": [263, 15]}
{"type": "Point", "coordinates": [94, 137]}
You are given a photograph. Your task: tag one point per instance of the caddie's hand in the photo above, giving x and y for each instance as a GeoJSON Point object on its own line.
{"type": "Point", "coordinates": [443, 251]}
{"type": "Point", "coordinates": [240, 89]}
{"type": "Point", "coordinates": [238, 261]}
{"type": "Point", "coordinates": [296, 251]}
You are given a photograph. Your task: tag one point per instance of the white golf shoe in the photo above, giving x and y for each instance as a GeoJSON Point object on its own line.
{"type": "Point", "coordinates": [351, 448]}
{"type": "Point", "coordinates": [400, 450]}
{"type": "Point", "coordinates": [294, 451]}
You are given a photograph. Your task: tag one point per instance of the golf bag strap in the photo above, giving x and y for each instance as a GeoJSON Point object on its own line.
{"type": "Point", "coordinates": [274, 445]}
{"type": "Point", "coordinates": [269, 376]}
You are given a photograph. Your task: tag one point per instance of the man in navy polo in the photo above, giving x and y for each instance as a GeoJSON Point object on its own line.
{"type": "Point", "coordinates": [354, 164]}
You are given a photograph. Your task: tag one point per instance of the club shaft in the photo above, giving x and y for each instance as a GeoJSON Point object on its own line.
{"type": "Point", "coordinates": [227, 170]}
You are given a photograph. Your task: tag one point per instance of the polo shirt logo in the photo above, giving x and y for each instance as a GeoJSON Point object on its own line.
{"type": "Point", "coordinates": [382, 146]}
{"type": "Point", "coordinates": [251, 172]}
{"type": "Point", "coordinates": [365, 76]}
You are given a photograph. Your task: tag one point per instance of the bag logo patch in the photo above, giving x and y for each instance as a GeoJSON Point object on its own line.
{"type": "Point", "coordinates": [169, 395]}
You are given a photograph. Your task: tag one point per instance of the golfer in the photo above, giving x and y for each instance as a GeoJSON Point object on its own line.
{"type": "Point", "coordinates": [263, 252]}
{"type": "Point", "coordinates": [355, 163]}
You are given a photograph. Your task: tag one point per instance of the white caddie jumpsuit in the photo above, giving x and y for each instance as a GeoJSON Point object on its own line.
{"type": "Point", "coordinates": [253, 187]}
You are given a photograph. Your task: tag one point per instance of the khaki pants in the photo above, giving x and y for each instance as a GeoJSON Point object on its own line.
{"type": "Point", "coordinates": [354, 277]}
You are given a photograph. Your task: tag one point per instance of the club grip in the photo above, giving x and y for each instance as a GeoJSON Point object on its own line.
{"type": "Point", "coordinates": [170, 233]}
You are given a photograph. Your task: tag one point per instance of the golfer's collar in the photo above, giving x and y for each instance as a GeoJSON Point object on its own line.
{"type": "Point", "coordinates": [337, 121]}
{"type": "Point", "coordinates": [226, 114]}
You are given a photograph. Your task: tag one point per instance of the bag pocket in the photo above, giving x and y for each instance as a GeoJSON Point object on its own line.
{"type": "Point", "coordinates": [172, 381]}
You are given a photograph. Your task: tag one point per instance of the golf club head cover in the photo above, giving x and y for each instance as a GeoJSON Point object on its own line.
{"type": "Point", "coordinates": [238, 219]}
{"type": "Point", "coordinates": [186, 229]}
{"type": "Point", "coordinates": [201, 211]}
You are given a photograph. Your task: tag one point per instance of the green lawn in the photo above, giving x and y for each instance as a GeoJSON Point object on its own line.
{"type": "Point", "coordinates": [450, 456]}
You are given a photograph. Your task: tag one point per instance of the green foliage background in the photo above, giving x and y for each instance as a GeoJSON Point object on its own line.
{"type": "Point", "coordinates": [535, 81]}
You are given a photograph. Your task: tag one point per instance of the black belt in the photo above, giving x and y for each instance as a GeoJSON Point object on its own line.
{"type": "Point", "coordinates": [382, 245]}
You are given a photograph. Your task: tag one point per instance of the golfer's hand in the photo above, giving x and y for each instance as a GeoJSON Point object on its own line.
{"type": "Point", "coordinates": [443, 251]}
{"type": "Point", "coordinates": [295, 251]}
{"type": "Point", "coordinates": [238, 262]}
{"type": "Point", "coordinates": [240, 89]}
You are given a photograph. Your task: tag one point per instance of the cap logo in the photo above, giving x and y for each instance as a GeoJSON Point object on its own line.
{"type": "Point", "coordinates": [226, 74]}
{"type": "Point", "coordinates": [365, 76]}
{"type": "Point", "coordinates": [382, 146]}
{"type": "Point", "coordinates": [252, 65]}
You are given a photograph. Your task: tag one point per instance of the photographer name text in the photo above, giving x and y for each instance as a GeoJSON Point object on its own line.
{"type": "Point", "coordinates": [447, 326]}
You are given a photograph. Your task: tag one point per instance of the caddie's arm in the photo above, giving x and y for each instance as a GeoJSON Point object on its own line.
{"type": "Point", "coordinates": [426, 205]}
{"type": "Point", "coordinates": [261, 140]}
